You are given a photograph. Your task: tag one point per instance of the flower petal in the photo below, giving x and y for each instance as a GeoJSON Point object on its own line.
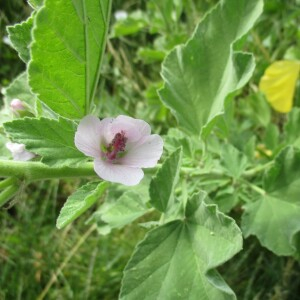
{"type": "Point", "coordinates": [23, 156]}
{"type": "Point", "coordinates": [145, 153]}
{"type": "Point", "coordinates": [118, 173]}
{"type": "Point", "coordinates": [134, 129]}
{"type": "Point", "coordinates": [89, 134]}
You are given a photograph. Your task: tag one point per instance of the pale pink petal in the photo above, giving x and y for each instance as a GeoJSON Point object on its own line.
{"type": "Point", "coordinates": [118, 173]}
{"type": "Point", "coordinates": [18, 151]}
{"type": "Point", "coordinates": [134, 128]}
{"type": "Point", "coordinates": [89, 134]}
{"type": "Point", "coordinates": [23, 156]}
{"type": "Point", "coordinates": [17, 104]}
{"type": "Point", "coordinates": [145, 153]}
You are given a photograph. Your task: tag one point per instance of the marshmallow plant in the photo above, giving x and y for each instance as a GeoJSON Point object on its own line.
{"type": "Point", "coordinates": [191, 179]}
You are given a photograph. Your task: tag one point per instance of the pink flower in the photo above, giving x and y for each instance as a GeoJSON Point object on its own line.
{"type": "Point", "coordinates": [18, 151]}
{"type": "Point", "coordinates": [17, 104]}
{"type": "Point", "coordinates": [120, 147]}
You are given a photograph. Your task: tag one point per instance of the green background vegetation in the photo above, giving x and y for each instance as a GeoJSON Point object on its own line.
{"type": "Point", "coordinates": [38, 261]}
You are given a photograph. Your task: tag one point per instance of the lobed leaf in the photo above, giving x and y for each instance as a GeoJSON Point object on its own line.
{"type": "Point", "coordinates": [177, 260]}
{"type": "Point", "coordinates": [79, 202]}
{"type": "Point", "coordinates": [274, 218]}
{"type": "Point", "coordinates": [67, 52]}
{"type": "Point", "coordinates": [128, 207]}
{"type": "Point", "coordinates": [20, 37]}
{"type": "Point", "coordinates": [199, 75]}
{"type": "Point", "coordinates": [49, 138]}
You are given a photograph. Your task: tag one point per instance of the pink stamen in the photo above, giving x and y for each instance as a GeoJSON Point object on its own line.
{"type": "Point", "coordinates": [116, 146]}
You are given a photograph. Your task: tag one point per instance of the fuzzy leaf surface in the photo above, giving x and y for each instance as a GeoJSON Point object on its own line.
{"type": "Point", "coordinates": [68, 43]}
{"type": "Point", "coordinates": [20, 36]}
{"type": "Point", "coordinates": [274, 218]}
{"type": "Point", "coordinates": [177, 260]}
{"type": "Point", "coordinates": [163, 184]}
{"type": "Point", "coordinates": [49, 138]}
{"type": "Point", "coordinates": [200, 74]}
{"type": "Point", "coordinates": [79, 202]}
{"type": "Point", "coordinates": [127, 208]}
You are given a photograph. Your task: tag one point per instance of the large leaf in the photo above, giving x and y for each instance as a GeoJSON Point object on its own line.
{"type": "Point", "coordinates": [177, 260]}
{"type": "Point", "coordinates": [163, 184]}
{"type": "Point", "coordinates": [52, 139]}
{"type": "Point", "coordinates": [68, 45]}
{"type": "Point", "coordinates": [199, 75]}
{"type": "Point", "coordinates": [20, 36]}
{"type": "Point", "coordinates": [274, 218]}
{"type": "Point", "coordinates": [79, 202]}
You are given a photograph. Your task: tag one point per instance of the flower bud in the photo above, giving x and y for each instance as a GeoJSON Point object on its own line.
{"type": "Point", "coordinates": [16, 105]}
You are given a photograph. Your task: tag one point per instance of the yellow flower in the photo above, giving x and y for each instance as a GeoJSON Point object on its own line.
{"type": "Point", "coordinates": [278, 84]}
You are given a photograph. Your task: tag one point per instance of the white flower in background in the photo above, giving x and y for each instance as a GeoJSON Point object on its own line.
{"type": "Point", "coordinates": [16, 105]}
{"type": "Point", "coordinates": [18, 151]}
{"type": "Point", "coordinates": [121, 147]}
{"type": "Point", "coordinates": [121, 15]}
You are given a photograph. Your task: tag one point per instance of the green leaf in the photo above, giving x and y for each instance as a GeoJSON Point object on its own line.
{"type": "Point", "coordinates": [199, 75]}
{"type": "Point", "coordinates": [52, 139]}
{"type": "Point", "coordinates": [274, 218]}
{"type": "Point", "coordinates": [292, 128]}
{"type": "Point", "coordinates": [20, 36]}
{"type": "Point", "coordinates": [79, 202]}
{"type": "Point", "coordinates": [67, 52]}
{"type": "Point", "coordinates": [35, 3]}
{"type": "Point", "coordinates": [20, 89]}
{"type": "Point", "coordinates": [234, 161]}
{"type": "Point", "coordinates": [178, 260]}
{"type": "Point", "coordinates": [163, 184]}
{"type": "Point", "coordinates": [129, 207]}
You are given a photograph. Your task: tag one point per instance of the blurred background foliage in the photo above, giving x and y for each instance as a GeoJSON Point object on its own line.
{"type": "Point", "coordinates": [39, 262]}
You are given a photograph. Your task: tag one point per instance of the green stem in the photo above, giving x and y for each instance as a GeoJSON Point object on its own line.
{"type": "Point", "coordinates": [8, 182]}
{"type": "Point", "coordinates": [258, 169]}
{"type": "Point", "coordinates": [7, 194]}
{"type": "Point", "coordinates": [32, 171]}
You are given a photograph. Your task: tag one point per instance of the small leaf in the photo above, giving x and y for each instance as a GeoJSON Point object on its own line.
{"type": "Point", "coordinates": [178, 260]}
{"type": "Point", "coordinates": [129, 207]}
{"type": "Point", "coordinates": [234, 161]}
{"type": "Point", "coordinates": [79, 202]}
{"type": "Point", "coordinates": [163, 184]}
{"type": "Point", "coordinates": [278, 83]}
{"type": "Point", "coordinates": [66, 54]}
{"type": "Point", "coordinates": [199, 75]}
{"type": "Point", "coordinates": [20, 36]}
{"type": "Point", "coordinates": [274, 218]}
{"type": "Point", "coordinates": [292, 128]}
{"type": "Point", "coordinates": [52, 139]}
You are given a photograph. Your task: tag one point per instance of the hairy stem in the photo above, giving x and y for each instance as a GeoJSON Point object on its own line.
{"type": "Point", "coordinates": [32, 171]}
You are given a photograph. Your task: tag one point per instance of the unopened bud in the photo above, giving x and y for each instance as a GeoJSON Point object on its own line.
{"type": "Point", "coordinates": [16, 105]}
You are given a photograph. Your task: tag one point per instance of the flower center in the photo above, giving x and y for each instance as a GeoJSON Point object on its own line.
{"type": "Point", "coordinates": [116, 147]}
